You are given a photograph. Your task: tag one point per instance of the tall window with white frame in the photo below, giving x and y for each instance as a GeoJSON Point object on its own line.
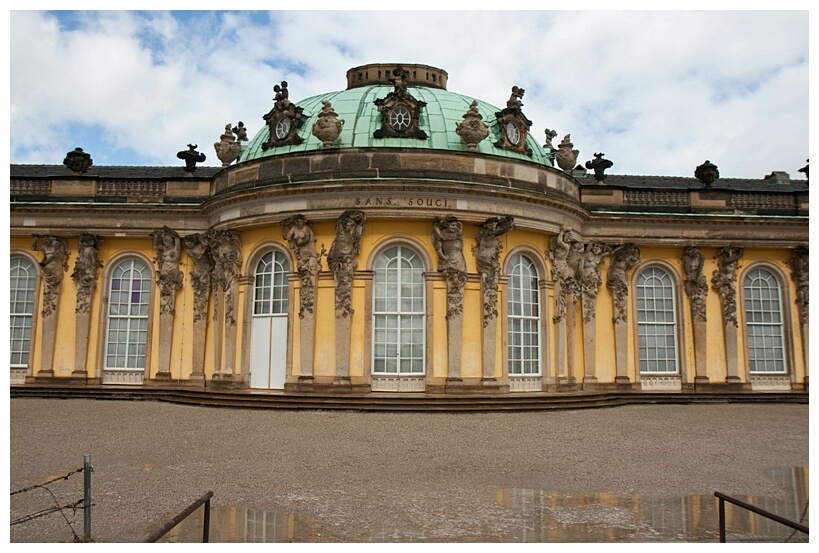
{"type": "Point", "coordinates": [656, 322]}
{"type": "Point", "coordinates": [21, 295]}
{"type": "Point", "coordinates": [398, 312]}
{"type": "Point", "coordinates": [129, 299]}
{"type": "Point", "coordinates": [268, 355]}
{"type": "Point", "coordinates": [523, 317]}
{"type": "Point", "coordinates": [763, 321]}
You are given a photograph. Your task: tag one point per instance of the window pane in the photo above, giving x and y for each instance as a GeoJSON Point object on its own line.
{"type": "Point", "coordinates": [656, 321]}
{"type": "Point", "coordinates": [523, 324]}
{"type": "Point", "coordinates": [398, 312]}
{"type": "Point", "coordinates": [763, 320]}
{"type": "Point", "coordinates": [129, 298]}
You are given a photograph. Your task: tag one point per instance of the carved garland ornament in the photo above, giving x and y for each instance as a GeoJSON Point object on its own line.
{"type": "Point", "coordinates": [85, 270]}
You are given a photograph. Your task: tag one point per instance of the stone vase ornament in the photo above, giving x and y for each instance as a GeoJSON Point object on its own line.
{"type": "Point", "coordinates": [227, 149]}
{"type": "Point", "coordinates": [566, 156]}
{"type": "Point", "coordinates": [327, 127]}
{"type": "Point", "coordinates": [472, 129]}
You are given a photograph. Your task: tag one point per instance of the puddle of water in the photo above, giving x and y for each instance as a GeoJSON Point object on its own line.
{"type": "Point", "coordinates": [541, 516]}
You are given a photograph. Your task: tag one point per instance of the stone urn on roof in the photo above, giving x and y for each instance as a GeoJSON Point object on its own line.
{"type": "Point", "coordinates": [327, 127]}
{"type": "Point", "coordinates": [566, 156]}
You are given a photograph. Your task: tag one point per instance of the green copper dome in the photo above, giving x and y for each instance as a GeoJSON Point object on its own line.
{"type": "Point", "coordinates": [444, 110]}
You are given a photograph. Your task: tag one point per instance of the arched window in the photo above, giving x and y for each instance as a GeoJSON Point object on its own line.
{"type": "Point", "coordinates": [128, 302]}
{"type": "Point", "coordinates": [763, 320]}
{"type": "Point", "coordinates": [271, 284]}
{"type": "Point", "coordinates": [398, 312]}
{"type": "Point", "coordinates": [524, 317]}
{"type": "Point", "coordinates": [21, 295]}
{"type": "Point", "coordinates": [656, 321]}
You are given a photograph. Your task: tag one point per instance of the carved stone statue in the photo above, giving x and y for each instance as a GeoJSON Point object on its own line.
{"type": "Point", "coordinates": [800, 267]}
{"type": "Point", "coordinates": [191, 157]}
{"type": "Point", "coordinates": [342, 258]}
{"type": "Point", "coordinates": [54, 265]}
{"type": "Point", "coordinates": [487, 254]}
{"type": "Point", "coordinates": [550, 134]}
{"type": "Point", "coordinates": [696, 285]}
{"type": "Point", "coordinates": [565, 253]}
{"type": "Point", "coordinates": [85, 269]}
{"type": "Point", "coordinates": [723, 280]}
{"type": "Point", "coordinates": [241, 132]}
{"type": "Point", "coordinates": [198, 249]}
{"type": "Point", "coordinates": [284, 120]}
{"type": "Point", "coordinates": [599, 166]}
{"type": "Point", "coordinates": [472, 129]}
{"type": "Point", "coordinates": [566, 156]}
{"type": "Point", "coordinates": [227, 149]}
{"type": "Point", "coordinates": [448, 240]}
{"type": "Point", "coordinates": [226, 252]}
{"type": "Point", "coordinates": [707, 173]}
{"type": "Point", "coordinates": [298, 232]}
{"type": "Point", "coordinates": [515, 98]}
{"type": "Point", "coordinates": [282, 97]}
{"type": "Point", "coordinates": [623, 258]}
{"type": "Point", "coordinates": [168, 248]}
{"type": "Point", "coordinates": [590, 280]}
{"type": "Point", "coordinates": [327, 127]}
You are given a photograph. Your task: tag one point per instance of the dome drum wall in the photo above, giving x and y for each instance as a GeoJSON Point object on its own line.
{"type": "Point", "coordinates": [396, 163]}
{"type": "Point", "coordinates": [394, 184]}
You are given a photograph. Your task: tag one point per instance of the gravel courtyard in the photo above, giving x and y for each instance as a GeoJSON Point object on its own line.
{"type": "Point", "coordinates": [356, 472]}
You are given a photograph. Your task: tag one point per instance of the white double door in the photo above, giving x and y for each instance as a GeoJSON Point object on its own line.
{"type": "Point", "coordinates": [268, 351]}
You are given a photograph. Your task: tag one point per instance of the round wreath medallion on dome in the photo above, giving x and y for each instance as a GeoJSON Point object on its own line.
{"type": "Point", "coordinates": [380, 109]}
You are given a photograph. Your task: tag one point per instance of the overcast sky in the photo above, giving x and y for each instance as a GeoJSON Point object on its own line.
{"type": "Point", "coordinates": [657, 92]}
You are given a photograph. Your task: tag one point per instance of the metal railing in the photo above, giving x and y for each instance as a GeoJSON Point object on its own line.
{"type": "Point", "coordinates": [168, 526]}
{"type": "Point", "coordinates": [754, 509]}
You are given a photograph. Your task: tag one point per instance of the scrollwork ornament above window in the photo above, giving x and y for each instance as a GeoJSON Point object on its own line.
{"type": "Point", "coordinates": [284, 120]}
{"type": "Point", "coordinates": [513, 126]}
{"type": "Point", "coordinates": [400, 112]}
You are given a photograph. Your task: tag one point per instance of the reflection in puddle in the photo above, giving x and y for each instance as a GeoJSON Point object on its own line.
{"type": "Point", "coordinates": [544, 516]}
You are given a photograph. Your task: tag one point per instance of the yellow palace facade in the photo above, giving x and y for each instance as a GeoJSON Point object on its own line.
{"type": "Point", "coordinates": [398, 237]}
